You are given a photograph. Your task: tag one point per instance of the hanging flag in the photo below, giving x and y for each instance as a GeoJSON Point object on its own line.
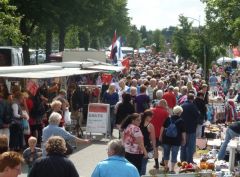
{"type": "Point", "coordinates": [126, 63]}
{"type": "Point", "coordinates": [113, 49]}
{"type": "Point", "coordinates": [116, 52]}
{"type": "Point", "coordinates": [119, 50]}
{"type": "Point", "coordinates": [106, 78]}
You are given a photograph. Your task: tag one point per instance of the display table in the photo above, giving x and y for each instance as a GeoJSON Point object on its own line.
{"type": "Point", "coordinates": [214, 142]}
{"type": "Point", "coordinates": [233, 145]}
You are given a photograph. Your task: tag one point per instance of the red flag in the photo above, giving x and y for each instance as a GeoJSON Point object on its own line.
{"type": "Point", "coordinates": [126, 63]}
{"type": "Point", "coordinates": [106, 78]}
{"type": "Point", "coordinates": [113, 42]}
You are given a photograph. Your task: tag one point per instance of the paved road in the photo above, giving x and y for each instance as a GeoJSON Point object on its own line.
{"type": "Point", "coordinates": [87, 156]}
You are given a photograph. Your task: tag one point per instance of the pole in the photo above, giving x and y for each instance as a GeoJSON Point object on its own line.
{"type": "Point", "coordinates": [205, 61]}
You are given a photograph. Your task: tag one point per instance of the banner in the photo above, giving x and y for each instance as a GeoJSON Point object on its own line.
{"type": "Point", "coordinates": [32, 87]}
{"type": "Point", "coordinates": [98, 119]}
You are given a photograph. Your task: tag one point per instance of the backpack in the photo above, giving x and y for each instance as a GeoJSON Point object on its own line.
{"type": "Point", "coordinates": [171, 130]}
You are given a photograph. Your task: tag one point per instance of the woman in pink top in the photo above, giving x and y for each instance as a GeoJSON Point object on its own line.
{"type": "Point", "coordinates": [133, 140]}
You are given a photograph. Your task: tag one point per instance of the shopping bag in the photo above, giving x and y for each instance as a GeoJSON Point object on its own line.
{"type": "Point", "coordinates": [67, 117]}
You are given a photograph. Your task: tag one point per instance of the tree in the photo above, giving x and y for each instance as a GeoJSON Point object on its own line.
{"type": "Point", "coordinates": [158, 39]}
{"type": "Point", "coordinates": [31, 13]}
{"type": "Point", "coordinates": [84, 37]}
{"type": "Point", "coordinates": [181, 38]}
{"type": "Point", "coordinates": [223, 21]}
{"type": "Point", "coordinates": [71, 39]}
{"type": "Point", "coordinates": [134, 38]}
{"type": "Point", "coordinates": [9, 24]}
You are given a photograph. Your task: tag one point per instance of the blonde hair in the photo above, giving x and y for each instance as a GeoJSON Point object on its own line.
{"type": "Point", "coordinates": [32, 139]}
{"type": "Point", "coordinates": [3, 143]}
{"type": "Point", "coordinates": [111, 88]}
{"type": "Point", "coordinates": [55, 103]}
{"type": "Point", "coordinates": [163, 103]}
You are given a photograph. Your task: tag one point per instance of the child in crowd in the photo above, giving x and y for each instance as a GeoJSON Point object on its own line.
{"type": "Point", "coordinates": [32, 153]}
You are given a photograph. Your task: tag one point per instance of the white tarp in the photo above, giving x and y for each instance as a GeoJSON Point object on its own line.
{"type": "Point", "coordinates": [222, 60]}
{"type": "Point", "coordinates": [72, 64]}
{"type": "Point", "coordinates": [28, 68]}
{"type": "Point", "coordinates": [107, 68]}
{"type": "Point", "coordinates": [49, 74]}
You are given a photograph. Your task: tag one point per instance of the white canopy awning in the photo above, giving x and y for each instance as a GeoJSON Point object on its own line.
{"type": "Point", "coordinates": [106, 68]}
{"type": "Point", "coordinates": [71, 64]}
{"type": "Point", "coordinates": [49, 74]}
{"type": "Point", "coordinates": [28, 68]}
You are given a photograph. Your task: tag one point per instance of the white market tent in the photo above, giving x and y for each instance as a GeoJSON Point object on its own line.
{"type": "Point", "coordinates": [53, 70]}
{"type": "Point", "coordinates": [106, 68]}
{"type": "Point", "coordinates": [49, 74]}
{"type": "Point", "coordinates": [89, 64]}
{"type": "Point", "coordinates": [28, 68]}
{"type": "Point", "coordinates": [72, 64]}
{"type": "Point", "coordinates": [222, 60]}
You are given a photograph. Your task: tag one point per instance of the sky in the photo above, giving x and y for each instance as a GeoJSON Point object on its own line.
{"type": "Point", "coordinates": [159, 14]}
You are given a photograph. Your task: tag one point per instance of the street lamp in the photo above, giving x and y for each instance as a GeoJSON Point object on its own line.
{"type": "Point", "coordinates": [204, 48]}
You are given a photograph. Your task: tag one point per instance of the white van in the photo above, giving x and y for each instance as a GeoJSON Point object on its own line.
{"type": "Point", "coordinates": [10, 56]}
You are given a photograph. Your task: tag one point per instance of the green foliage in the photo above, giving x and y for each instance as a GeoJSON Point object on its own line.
{"type": "Point", "coordinates": [95, 43]}
{"type": "Point", "coordinates": [84, 37]}
{"type": "Point", "coordinates": [71, 39]}
{"type": "Point", "coordinates": [9, 24]}
{"type": "Point", "coordinates": [181, 38]}
{"type": "Point", "coordinates": [223, 21]}
{"type": "Point", "coordinates": [134, 38]}
{"type": "Point", "coordinates": [158, 39]}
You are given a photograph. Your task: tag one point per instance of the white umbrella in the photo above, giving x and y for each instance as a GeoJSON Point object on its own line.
{"type": "Point", "coordinates": [222, 60]}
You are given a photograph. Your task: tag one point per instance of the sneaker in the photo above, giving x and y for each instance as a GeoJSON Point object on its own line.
{"type": "Point", "coordinates": [171, 172]}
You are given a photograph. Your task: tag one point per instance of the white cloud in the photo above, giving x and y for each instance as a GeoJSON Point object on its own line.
{"type": "Point", "coordinates": [164, 13]}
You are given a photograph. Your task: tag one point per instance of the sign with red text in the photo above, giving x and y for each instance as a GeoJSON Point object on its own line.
{"type": "Point", "coordinates": [98, 119]}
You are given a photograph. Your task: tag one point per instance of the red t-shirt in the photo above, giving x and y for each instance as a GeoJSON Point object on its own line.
{"type": "Point", "coordinates": [170, 98]}
{"type": "Point", "coordinates": [160, 114]}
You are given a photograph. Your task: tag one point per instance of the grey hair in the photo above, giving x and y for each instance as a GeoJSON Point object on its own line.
{"type": "Point", "coordinates": [116, 146]}
{"type": "Point", "coordinates": [54, 118]}
{"type": "Point", "coordinates": [159, 94]}
{"type": "Point", "coordinates": [177, 110]}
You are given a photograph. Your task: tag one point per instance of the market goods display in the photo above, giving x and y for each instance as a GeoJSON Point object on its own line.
{"type": "Point", "coordinates": [187, 167]}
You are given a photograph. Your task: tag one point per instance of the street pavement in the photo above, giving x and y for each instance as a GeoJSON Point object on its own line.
{"type": "Point", "coordinates": [86, 157]}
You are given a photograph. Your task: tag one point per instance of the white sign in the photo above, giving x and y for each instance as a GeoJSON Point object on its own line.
{"type": "Point", "coordinates": [98, 120]}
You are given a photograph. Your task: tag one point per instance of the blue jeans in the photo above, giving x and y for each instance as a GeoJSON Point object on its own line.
{"type": "Point", "coordinates": [174, 152]}
{"type": "Point", "coordinates": [189, 149]}
{"type": "Point", "coordinates": [144, 166]}
{"type": "Point", "coordinates": [230, 134]}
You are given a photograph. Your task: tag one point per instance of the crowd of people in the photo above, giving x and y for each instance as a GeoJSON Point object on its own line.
{"type": "Point", "coordinates": [157, 103]}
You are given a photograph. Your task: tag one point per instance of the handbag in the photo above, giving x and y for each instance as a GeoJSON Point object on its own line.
{"type": "Point", "coordinates": [150, 152]}
{"type": "Point", "coordinates": [67, 117]}
{"type": "Point", "coordinates": [26, 127]}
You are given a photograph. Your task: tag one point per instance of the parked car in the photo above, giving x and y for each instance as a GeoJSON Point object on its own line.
{"type": "Point", "coordinates": [41, 56]}
{"type": "Point", "coordinates": [10, 56]}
